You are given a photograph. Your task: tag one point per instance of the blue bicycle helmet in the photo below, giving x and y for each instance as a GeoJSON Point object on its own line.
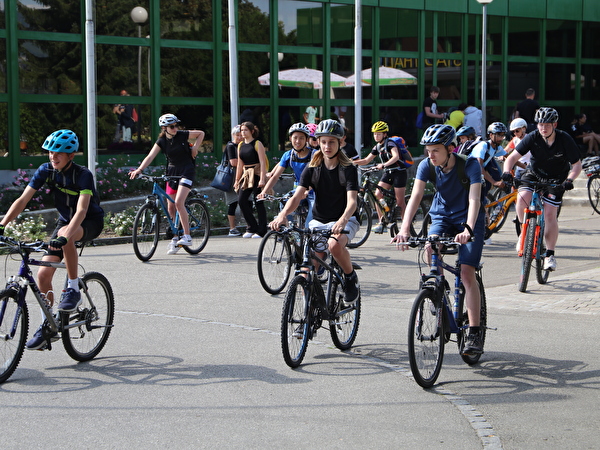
{"type": "Point", "coordinates": [64, 141]}
{"type": "Point", "coordinates": [465, 131]}
{"type": "Point", "coordinates": [439, 134]}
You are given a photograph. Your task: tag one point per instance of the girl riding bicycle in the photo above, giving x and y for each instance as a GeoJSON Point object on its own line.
{"type": "Point", "coordinates": [181, 162]}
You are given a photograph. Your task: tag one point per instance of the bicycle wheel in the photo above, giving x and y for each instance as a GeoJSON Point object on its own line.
{"type": "Point", "coordinates": [527, 253]}
{"type": "Point", "coordinates": [14, 324]}
{"type": "Point", "coordinates": [365, 219]}
{"type": "Point", "coordinates": [419, 224]}
{"type": "Point", "coordinates": [146, 229]}
{"type": "Point", "coordinates": [464, 325]}
{"type": "Point", "coordinates": [425, 339]}
{"type": "Point", "coordinates": [343, 325]}
{"type": "Point", "coordinates": [295, 322]}
{"type": "Point", "coordinates": [86, 330]}
{"type": "Point", "coordinates": [593, 187]}
{"type": "Point", "coordinates": [199, 220]}
{"type": "Point", "coordinates": [541, 274]}
{"type": "Point", "coordinates": [274, 262]}
{"type": "Point", "coordinates": [495, 211]}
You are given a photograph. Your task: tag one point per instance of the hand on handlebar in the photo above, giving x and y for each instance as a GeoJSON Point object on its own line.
{"type": "Point", "coordinates": [507, 177]}
{"type": "Point", "coordinates": [568, 184]}
{"type": "Point", "coordinates": [278, 222]}
{"type": "Point", "coordinates": [134, 174]}
{"type": "Point", "coordinates": [401, 240]}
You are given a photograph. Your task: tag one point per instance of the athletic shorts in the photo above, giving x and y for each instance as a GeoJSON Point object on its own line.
{"type": "Point", "coordinates": [552, 195]}
{"type": "Point", "coordinates": [469, 253]}
{"type": "Point", "coordinates": [351, 227]}
{"type": "Point", "coordinates": [396, 178]}
{"type": "Point", "coordinates": [91, 228]}
{"type": "Point", "coordinates": [187, 173]}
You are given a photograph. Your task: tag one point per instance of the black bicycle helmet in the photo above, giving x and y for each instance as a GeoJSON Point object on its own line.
{"type": "Point", "coordinates": [465, 131]}
{"type": "Point", "coordinates": [299, 127]}
{"type": "Point", "coordinates": [497, 127]}
{"type": "Point", "coordinates": [546, 115]}
{"type": "Point", "coordinates": [64, 141]}
{"type": "Point", "coordinates": [330, 127]}
{"type": "Point", "coordinates": [439, 134]}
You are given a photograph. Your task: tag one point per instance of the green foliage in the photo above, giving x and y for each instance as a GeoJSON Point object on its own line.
{"type": "Point", "coordinates": [27, 228]}
{"type": "Point", "coordinates": [120, 223]}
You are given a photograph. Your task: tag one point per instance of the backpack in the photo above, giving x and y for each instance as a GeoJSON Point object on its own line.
{"type": "Point", "coordinates": [461, 162]}
{"type": "Point", "coordinates": [467, 147]}
{"type": "Point", "coordinates": [419, 122]}
{"type": "Point", "coordinates": [317, 174]}
{"type": "Point", "coordinates": [405, 156]}
{"type": "Point", "coordinates": [77, 171]}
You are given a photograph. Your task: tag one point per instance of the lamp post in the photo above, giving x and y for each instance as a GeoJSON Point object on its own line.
{"type": "Point", "coordinates": [483, 63]}
{"type": "Point", "coordinates": [139, 15]}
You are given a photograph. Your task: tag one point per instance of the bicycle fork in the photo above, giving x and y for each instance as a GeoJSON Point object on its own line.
{"type": "Point", "coordinates": [524, 226]}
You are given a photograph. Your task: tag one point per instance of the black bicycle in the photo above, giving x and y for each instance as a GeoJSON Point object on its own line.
{"type": "Point", "coordinates": [591, 167]}
{"type": "Point", "coordinates": [306, 305]}
{"type": "Point", "coordinates": [437, 314]}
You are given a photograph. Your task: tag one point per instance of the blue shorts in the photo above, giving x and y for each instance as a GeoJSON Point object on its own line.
{"type": "Point", "coordinates": [469, 253]}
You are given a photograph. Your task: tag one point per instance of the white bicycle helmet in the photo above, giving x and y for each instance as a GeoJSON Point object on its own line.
{"type": "Point", "coordinates": [167, 119]}
{"type": "Point", "coordinates": [517, 123]}
{"type": "Point", "coordinates": [546, 115]}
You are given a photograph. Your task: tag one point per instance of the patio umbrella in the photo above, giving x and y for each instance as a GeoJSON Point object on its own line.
{"type": "Point", "coordinates": [303, 78]}
{"type": "Point", "coordinates": [388, 76]}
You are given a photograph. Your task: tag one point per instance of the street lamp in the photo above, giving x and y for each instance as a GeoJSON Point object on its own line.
{"type": "Point", "coordinates": [139, 15]}
{"type": "Point", "coordinates": [483, 63]}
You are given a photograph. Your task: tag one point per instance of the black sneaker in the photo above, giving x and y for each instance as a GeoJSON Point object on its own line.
{"type": "Point", "coordinates": [473, 345]}
{"type": "Point", "coordinates": [351, 289]}
{"type": "Point", "coordinates": [39, 341]}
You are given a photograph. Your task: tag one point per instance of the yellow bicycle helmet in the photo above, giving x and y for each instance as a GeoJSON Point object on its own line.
{"type": "Point", "coordinates": [380, 127]}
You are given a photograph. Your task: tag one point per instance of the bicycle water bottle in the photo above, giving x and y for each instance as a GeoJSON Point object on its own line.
{"type": "Point", "coordinates": [384, 205]}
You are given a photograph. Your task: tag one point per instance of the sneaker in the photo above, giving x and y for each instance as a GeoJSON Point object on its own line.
{"type": "Point", "coordinates": [234, 232]}
{"type": "Point", "coordinates": [172, 248]}
{"type": "Point", "coordinates": [256, 236]}
{"type": "Point", "coordinates": [487, 241]}
{"type": "Point", "coordinates": [247, 235]}
{"type": "Point", "coordinates": [550, 263]}
{"type": "Point", "coordinates": [70, 300]}
{"type": "Point", "coordinates": [185, 240]}
{"type": "Point", "coordinates": [352, 289]}
{"type": "Point", "coordinates": [39, 341]}
{"type": "Point", "coordinates": [473, 345]}
{"type": "Point", "coordinates": [379, 228]}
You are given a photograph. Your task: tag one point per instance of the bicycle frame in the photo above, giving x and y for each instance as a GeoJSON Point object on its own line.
{"type": "Point", "coordinates": [389, 195]}
{"type": "Point", "coordinates": [509, 198]}
{"type": "Point", "coordinates": [160, 197]}
{"type": "Point", "coordinates": [536, 208]}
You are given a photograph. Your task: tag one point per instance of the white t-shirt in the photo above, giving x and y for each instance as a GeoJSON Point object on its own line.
{"type": "Point", "coordinates": [311, 114]}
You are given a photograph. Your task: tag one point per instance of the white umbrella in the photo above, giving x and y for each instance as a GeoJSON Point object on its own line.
{"type": "Point", "coordinates": [303, 78]}
{"type": "Point", "coordinates": [388, 76]}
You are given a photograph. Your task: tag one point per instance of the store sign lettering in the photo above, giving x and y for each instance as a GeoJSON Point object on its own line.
{"type": "Point", "coordinates": [413, 63]}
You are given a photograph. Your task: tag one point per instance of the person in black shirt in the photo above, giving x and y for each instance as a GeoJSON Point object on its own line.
{"type": "Point", "coordinates": [527, 108]}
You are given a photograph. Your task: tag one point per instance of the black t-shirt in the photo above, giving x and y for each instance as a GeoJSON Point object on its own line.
{"type": "Point", "coordinates": [384, 151]}
{"type": "Point", "coordinates": [231, 151]}
{"type": "Point", "coordinates": [350, 151]}
{"type": "Point", "coordinates": [550, 162]}
{"type": "Point", "coordinates": [527, 109]}
{"type": "Point", "coordinates": [330, 196]}
{"type": "Point", "coordinates": [177, 150]}
{"type": "Point", "coordinates": [248, 153]}
{"type": "Point", "coordinates": [432, 105]}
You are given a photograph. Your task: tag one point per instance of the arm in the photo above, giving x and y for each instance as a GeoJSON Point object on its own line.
{"type": "Point", "coordinates": [428, 113]}
{"type": "Point", "coordinates": [511, 161]}
{"type": "Point", "coordinates": [473, 211]}
{"type": "Point", "coordinates": [18, 205]}
{"type": "Point", "coordinates": [199, 136]}
{"type": "Point", "coordinates": [262, 158]}
{"type": "Point", "coordinates": [411, 209]}
{"type": "Point", "coordinates": [366, 160]}
{"type": "Point", "coordinates": [575, 171]}
{"type": "Point", "coordinates": [276, 172]}
{"type": "Point", "coordinates": [239, 170]}
{"type": "Point", "coordinates": [395, 157]}
{"type": "Point", "coordinates": [146, 162]}
{"type": "Point", "coordinates": [290, 207]}
{"type": "Point", "coordinates": [351, 204]}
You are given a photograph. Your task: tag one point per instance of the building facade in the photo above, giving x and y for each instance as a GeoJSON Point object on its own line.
{"type": "Point", "coordinates": [177, 61]}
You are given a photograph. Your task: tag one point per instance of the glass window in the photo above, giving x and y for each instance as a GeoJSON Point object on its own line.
{"type": "Point", "coordinates": [495, 35]}
{"type": "Point", "coordinates": [253, 22]}
{"type": "Point", "coordinates": [110, 132]}
{"type": "Point", "coordinates": [560, 38]}
{"type": "Point", "coordinates": [474, 40]}
{"type": "Point", "coordinates": [3, 129]}
{"type": "Point", "coordinates": [591, 43]}
{"type": "Point", "coordinates": [560, 86]}
{"type": "Point", "coordinates": [450, 33]}
{"type": "Point", "coordinates": [3, 65]}
{"type": "Point", "coordinates": [590, 83]}
{"type": "Point", "coordinates": [259, 116]}
{"type": "Point", "coordinates": [123, 61]}
{"type": "Point", "coordinates": [522, 76]}
{"type": "Point", "coordinates": [49, 67]}
{"type": "Point", "coordinates": [342, 26]}
{"type": "Point", "coordinates": [188, 20]}
{"type": "Point", "coordinates": [187, 72]}
{"type": "Point", "coordinates": [38, 16]}
{"type": "Point", "coordinates": [251, 65]}
{"type": "Point", "coordinates": [2, 14]}
{"type": "Point", "coordinates": [195, 117]}
{"type": "Point", "coordinates": [38, 120]}
{"type": "Point", "coordinates": [114, 18]}
{"type": "Point", "coordinates": [524, 36]}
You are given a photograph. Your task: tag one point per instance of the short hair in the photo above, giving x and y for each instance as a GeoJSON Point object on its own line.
{"type": "Point", "coordinates": [529, 92]}
{"type": "Point", "coordinates": [434, 89]}
{"type": "Point", "coordinates": [462, 106]}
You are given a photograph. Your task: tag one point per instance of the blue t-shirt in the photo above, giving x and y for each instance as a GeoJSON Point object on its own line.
{"type": "Point", "coordinates": [486, 152]}
{"type": "Point", "coordinates": [292, 160]}
{"type": "Point", "coordinates": [451, 199]}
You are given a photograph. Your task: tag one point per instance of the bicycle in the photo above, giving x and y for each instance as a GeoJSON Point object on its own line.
{"type": "Point", "coordinates": [146, 225]}
{"type": "Point", "coordinates": [306, 306]}
{"type": "Point", "coordinates": [499, 202]}
{"type": "Point", "coordinates": [84, 332]}
{"type": "Point", "coordinates": [434, 317]}
{"type": "Point", "coordinates": [591, 167]}
{"type": "Point", "coordinates": [531, 241]}
{"type": "Point", "coordinates": [279, 250]}
{"type": "Point", "coordinates": [368, 205]}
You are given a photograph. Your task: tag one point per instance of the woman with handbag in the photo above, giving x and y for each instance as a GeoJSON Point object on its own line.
{"type": "Point", "coordinates": [181, 161]}
{"type": "Point", "coordinates": [251, 176]}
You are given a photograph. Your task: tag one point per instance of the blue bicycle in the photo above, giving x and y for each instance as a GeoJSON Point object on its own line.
{"type": "Point", "coordinates": [146, 226]}
{"type": "Point", "coordinates": [435, 316]}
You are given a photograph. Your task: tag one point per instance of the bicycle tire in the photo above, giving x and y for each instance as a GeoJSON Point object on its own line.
{"type": "Point", "coordinates": [343, 327]}
{"type": "Point", "coordinates": [295, 322]}
{"type": "Point", "coordinates": [425, 339]}
{"type": "Point", "coordinates": [11, 349]}
{"type": "Point", "coordinates": [274, 262]}
{"type": "Point", "coordinates": [527, 257]}
{"type": "Point", "coordinates": [419, 225]}
{"type": "Point", "coordinates": [541, 274]}
{"type": "Point", "coordinates": [84, 342]}
{"type": "Point", "coordinates": [146, 230]}
{"type": "Point", "coordinates": [365, 220]}
{"type": "Point", "coordinates": [199, 220]}
{"type": "Point", "coordinates": [499, 208]}
{"type": "Point", "coordinates": [464, 325]}
{"type": "Point", "coordinates": [593, 187]}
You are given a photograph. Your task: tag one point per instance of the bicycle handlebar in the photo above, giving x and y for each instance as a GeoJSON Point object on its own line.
{"type": "Point", "coordinates": [155, 179]}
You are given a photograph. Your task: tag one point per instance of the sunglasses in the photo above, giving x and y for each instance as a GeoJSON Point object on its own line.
{"type": "Point", "coordinates": [172, 126]}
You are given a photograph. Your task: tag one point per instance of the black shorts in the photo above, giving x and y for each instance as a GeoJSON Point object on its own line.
{"type": "Point", "coordinates": [396, 178]}
{"type": "Point", "coordinates": [552, 195]}
{"type": "Point", "coordinates": [188, 172]}
{"type": "Point", "coordinates": [91, 228]}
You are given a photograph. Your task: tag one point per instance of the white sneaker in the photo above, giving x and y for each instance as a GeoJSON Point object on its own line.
{"type": "Point", "coordinates": [185, 240]}
{"type": "Point", "coordinates": [247, 235]}
{"type": "Point", "coordinates": [550, 263]}
{"type": "Point", "coordinates": [256, 236]}
{"type": "Point", "coordinates": [172, 248]}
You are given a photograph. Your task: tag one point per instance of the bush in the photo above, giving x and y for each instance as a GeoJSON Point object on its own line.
{"type": "Point", "coordinates": [120, 223]}
{"type": "Point", "coordinates": [27, 228]}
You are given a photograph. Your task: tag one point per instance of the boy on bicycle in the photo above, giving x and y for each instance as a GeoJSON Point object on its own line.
{"type": "Point", "coordinates": [554, 159]}
{"type": "Point", "coordinates": [334, 179]}
{"type": "Point", "coordinates": [452, 208]}
{"type": "Point", "coordinates": [80, 219]}
{"type": "Point", "coordinates": [394, 170]}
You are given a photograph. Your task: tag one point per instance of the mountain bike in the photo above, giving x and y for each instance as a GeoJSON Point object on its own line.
{"type": "Point", "coordinates": [146, 225]}
{"type": "Point", "coordinates": [531, 240]}
{"type": "Point", "coordinates": [499, 202]}
{"type": "Point", "coordinates": [437, 314]}
{"type": "Point", "coordinates": [279, 250]}
{"type": "Point", "coordinates": [591, 167]}
{"type": "Point", "coordinates": [369, 208]}
{"type": "Point", "coordinates": [306, 306]}
{"type": "Point", "coordinates": [84, 331]}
